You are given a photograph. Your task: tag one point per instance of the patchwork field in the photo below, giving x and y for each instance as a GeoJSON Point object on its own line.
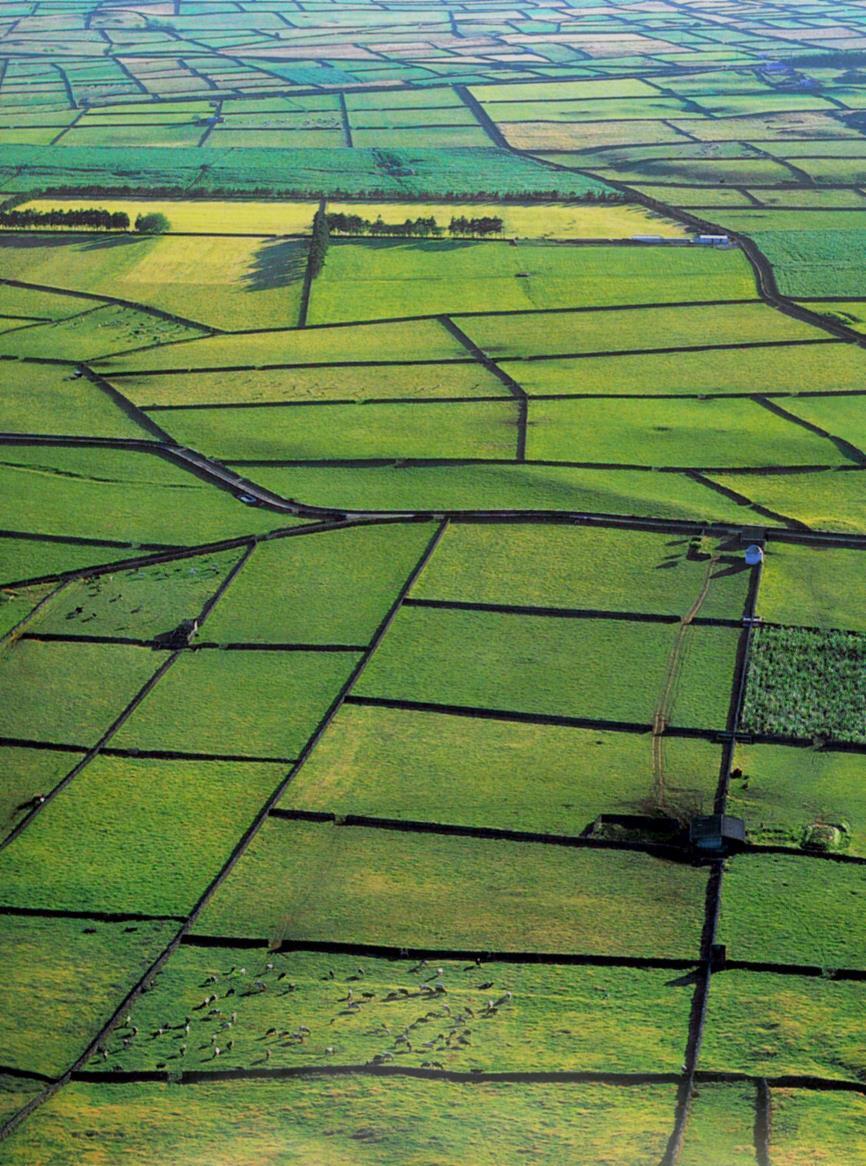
{"type": "Point", "coordinates": [432, 633]}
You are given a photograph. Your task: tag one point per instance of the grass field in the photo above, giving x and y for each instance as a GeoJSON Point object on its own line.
{"type": "Point", "coordinates": [822, 501]}
{"type": "Point", "coordinates": [118, 838]}
{"type": "Point", "coordinates": [28, 773]}
{"type": "Point", "coordinates": [39, 398]}
{"type": "Point", "coordinates": [557, 1017]}
{"type": "Point", "coordinates": [597, 668]}
{"type": "Point", "coordinates": [252, 703]}
{"type": "Point", "coordinates": [720, 1129]}
{"type": "Point", "coordinates": [786, 790]}
{"type": "Point", "coordinates": [811, 587]}
{"type": "Point", "coordinates": [302, 881]}
{"type": "Point", "coordinates": [317, 1119]}
{"type": "Point", "coordinates": [804, 1120]}
{"type": "Point", "coordinates": [582, 567]}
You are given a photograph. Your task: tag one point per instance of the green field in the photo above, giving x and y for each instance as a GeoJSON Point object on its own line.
{"type": "Point", "coordinates": [811, 586]}
{"type": "Point", "coordinates": [306, 882]}
{"type": "Point", "coordinates": [417, 766]}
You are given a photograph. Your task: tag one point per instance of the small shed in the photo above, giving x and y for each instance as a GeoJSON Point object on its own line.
{"type": "Point", "coordinates": [713, 240]}
{"type": "Point", "coordinates": [717, 833]}
{"type": "Point", "coordinates": [754, 555]}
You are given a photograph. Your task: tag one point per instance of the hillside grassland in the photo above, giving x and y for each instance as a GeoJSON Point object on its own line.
{"type": "Point", "coordinates": [443, 429]}
{"type": "Point", "coordinates": [419, 766]}
{"type": "Point", "coordinates": [605, 569]}
{"type": "Point", "coordinates": [376, 279]}
{"type": "Point", "coordinates": [248, 703]}
{"type": "Point", "coordinates": [798, 368]}
{"type": "Point", "coordinates": [29, 558]}
{"type": "Point", "coordinates": [63, 979]}
{"type": "Point", "coordinates": [357, 1120]}
{"type": "Point", "coordinates": [330, 589]}
{"type": "Point", "coordinates": [28, 773]}
{"type": "Point", "coordinates": [771, 1025]}
{"type": "Point", "coordinates": [508, 487]}
{"type": "Point", "coordinates": [785, 790]}
{"type": "Point", "coordinates": [436, 380]}
{"type": "Point", "coordinates": [100, 493]}
{"type": "Point", "coordinates": [720, 1127]}
{"type": "Point", "coordinates": [794, 909]}
{"type": "Point", "coordinates": [41, 398]}
{"type": "Point", "coordinates": [805, 1118]}
{"type": "Point", "coordinates": [68, 693]}
{"type": "Point", "coordinates": [307, 882]}
{"type": "Point", "coordinates": [822, 501]}
{"type": "Point", "coordinates": [118, 837]}
{"type": "Point", "coordinates": [595, 668]}
{"type": "Point", "coordinates": [812, 586]}
{"type": "Point", "coordinates": [844, 417]}
{"type": "Point", "coordinates": [714, 432]}
{"type": "Point", "coordinates": [558, 1016]}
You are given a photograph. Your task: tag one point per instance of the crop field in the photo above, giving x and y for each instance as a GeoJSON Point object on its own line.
{"type": "Point", "coordinates": [432, 637]}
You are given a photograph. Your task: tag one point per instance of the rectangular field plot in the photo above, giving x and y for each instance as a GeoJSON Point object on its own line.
{"type": "Point", "coordinates": [754, 369]}
{"type": "Point", "coordinates": [63, 978]}
{"type": "Point", "coordinates": [140, 603]}
{"type": "Point", "coordinates": [812, 586]}
{"type": "Point", "coordinates": [135, 834]}
{"type": "Point", "coordinates": [794, 910]}
{"type": "Point", "coordinates": [804, 1119]}
{"type": "Point", "coordinates": [569, 333]}
{"type": "Point", "coordinates": [103, 493]}
{"type": "Point", "coordinates": [844, 417]}
{"type": "Point", "coordinates": [491, 1123]}
{"type": "Point", "coordinates": [68, 693]}
{"type": "Point", "coordinates": [385, 279]}
{"type": "Point", "coordinates": [822, 501]}
{"type": "Point", "coordinates": [50, 399]}
{"type": "Point", "coordinates": [789, 796]}
{"type": "Point", "coordinates": [412, 340]}
{"type": "Point", "coordinates": [505, 487]}
{"type": "Point", "coordinates": [721, 1126]}
{"type": "Point", "coordinates": [246, 703]}
{"type": "Point", "coordinates": [715, 432]}
{"type": "Point", "coordinates": [220, 281]}
{"type": "Point", "coordinates": [595, 668]}
{"type": "Point", "coordinates": [329, 588]}
{"type": "Point", "coordinates": [443, 429]}
{"type": "Point", "coordinates": [418, 766]}
{"type": "Point", "coordinates": [458, 378]}
{"type": "Point", "coordinates": [771, 1025]}
{"type": "Point", "coordinates": [28, 774]}
{"type": "Point", "coordinates": [806, 683]}
{"type": "Point", "coordinates": [557, 1017]}
{"type": "Point", "coordinates": [308, 882]}
{"type": "Point", "coordinates": [547, 565]}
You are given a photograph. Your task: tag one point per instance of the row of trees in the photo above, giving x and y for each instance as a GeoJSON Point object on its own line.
{"type": "Point", "coordinates": [425, 226]}
{"type": "Point", "coordinates": [319, 242]}
{"type": "Point", "coordinates": [90, 218]}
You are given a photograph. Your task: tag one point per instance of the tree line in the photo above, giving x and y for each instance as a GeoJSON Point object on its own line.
{"type": "Point", "coordinates": [425, 226]}
{"type": "Point", "coordinates": [90, 218]}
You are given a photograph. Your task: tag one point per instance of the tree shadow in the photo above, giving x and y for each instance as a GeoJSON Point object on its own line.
{"type": "Point", "coordinates": [277, 263]}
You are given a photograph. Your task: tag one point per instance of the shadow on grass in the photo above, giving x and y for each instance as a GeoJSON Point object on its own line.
{"type": "Point", "coordinates": [277, 263]}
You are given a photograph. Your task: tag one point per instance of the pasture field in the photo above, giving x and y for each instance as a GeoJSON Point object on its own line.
{"type": "Point", "coordinates": [497, 1123]}
{"type": "Point", "coordinates": [68, 693]}
{"type": "Point", "coordinates": [807, 683]}
{"type": "Point", "coordinates": [62, 981]}
{"type": "Point", "coordinates": [582, 567]}
{"type": "Point", "coordinates": [441, 429]}
{"type": "Point", "coordinates": [558, 1016]}
{"type": "Point", "coordinates": [771, 1025]}
{"type": "Point", "coordinates": [388, 862]}
{"type": "Point", "coordinates": [811, 587]}
{"type": "Point", "coordinates": [793, 909]}
{"type": "Point", "coordinates": [420, 766]}
{"type": "Point", "coordinates": [605, 669]}
{"type": "Point", "coordinates": [371, 280]}
{"type": "Point", "coordinates": [128, 822]}
{"type": "Point", "coordinates": [787, 370]}
{"type": "Point", "coordinates": [715, 432]}
{"type": "Point", "coordinates": [571, 333]}
{"type": "Point", "coordinates": [504, 487]}
{"type": "Point", "coordinates": [333, 590]}
{"type": "Point", "coordinates": [303, 881]}
{"type": "Point", "coordinates": [820, 501]}
{"type": "Point", "coordinates": [247, 702]}
{"type": "Point", "coordinates": [436, 380]}
{"type": "Point", "coordinates": [96, 493]}
{"type": "Point", "coordinates": [785, 790]}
